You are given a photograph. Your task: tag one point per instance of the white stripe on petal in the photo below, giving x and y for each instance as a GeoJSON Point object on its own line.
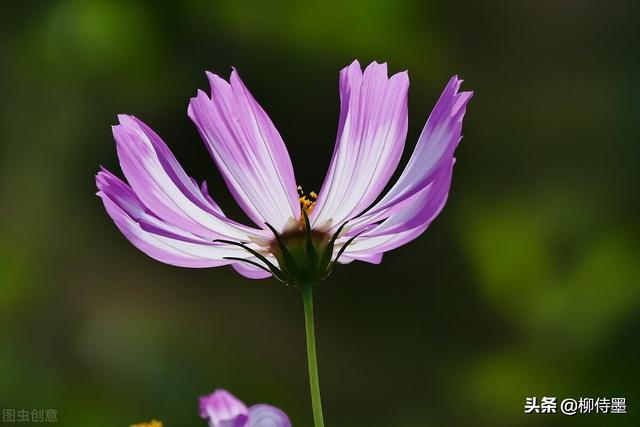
{"type": "Point", "coordinates": [248, 151]}
{"type": "Point", "coordinates": [434, 149]}
{"type": "Point", "coordinates": [371, 135]}
{"type": "Point", "coordinates": [164, 188]}
{"type": "Point", "coordinates": [161, 241]}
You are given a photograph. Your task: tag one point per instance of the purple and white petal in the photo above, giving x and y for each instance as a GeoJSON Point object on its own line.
{"type": "Point", "coordinates": [222, 409]}
{"type": "Point", "coordinates": [170, 164]}
{"type": "Point", "coordinates": [372, 258]}
{"type": "Point", "coordinates": [262, 415]}
{"type": "Point", "coordinates": [419, 195]}
{"type": "Point", "coordinates": [248, 151]}
{"type": "Point", "coordinates": [371, 135]}
{"type": "Point", "coordinates": [204, 189]}
{"type": "Point", "coordinates": [434, 150]}
{"type": "Point", "coordinates": [420, 208]}
{"type": "Point", "coordinates": [164, 188]}
{"type": "Point", "coordinates": [156, 238]}
{"type": "Point", "coordinates": [375, 246]}
{"type": "Point", "coordinates": [404, 225]}
{"type": "Point", "coordinates": [251, 271]}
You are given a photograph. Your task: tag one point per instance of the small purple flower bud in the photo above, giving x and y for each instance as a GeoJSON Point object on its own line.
{"type": "Point", "coordinates": [222, 409]}
{"type": "Point", "coordinates": [262, 415]}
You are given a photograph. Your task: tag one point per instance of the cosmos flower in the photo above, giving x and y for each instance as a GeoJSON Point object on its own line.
{"type": "Point", "coordinates": [222, 409]}
{"type": "Point", "coordinates": [297, 238]}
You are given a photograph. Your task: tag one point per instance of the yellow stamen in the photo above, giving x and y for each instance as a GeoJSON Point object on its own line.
{"type": "Point", "coordinates": [306, 203]}
{"type": "Point", "coordinates": [152, 423]}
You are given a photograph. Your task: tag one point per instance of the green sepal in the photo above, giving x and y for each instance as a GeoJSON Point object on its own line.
{"type": "Point", "coordinates": [325, 260]}
{"type": "Point", "coordinates": [290, 264]}
{"type": "Point", "coordinates": [276, 273]}
{"type": "Point", "coordinates": [345, 246]}
{"type": "Point", "coordinates": [275, 270]}
{"type": "Point", "coordinates": [312, 255]}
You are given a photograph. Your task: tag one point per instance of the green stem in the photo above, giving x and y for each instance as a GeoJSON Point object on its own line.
{"type": "Point", "coordinates": [307, 298]}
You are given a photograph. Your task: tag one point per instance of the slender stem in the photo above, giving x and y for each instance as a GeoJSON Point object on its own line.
{"type": "Point", "coordinates": [307, 298]}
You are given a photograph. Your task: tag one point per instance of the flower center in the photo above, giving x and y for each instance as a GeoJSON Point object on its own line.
{"type": "Point", "coordinates": [306, 202]}
{"type": "Point", "coordinates": [304, 255]}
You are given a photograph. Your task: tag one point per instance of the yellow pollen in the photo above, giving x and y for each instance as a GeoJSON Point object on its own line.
{"type": "Point", "coordinates": [306, 202]}
{"type": "Point", "coordinates": [152, 423]}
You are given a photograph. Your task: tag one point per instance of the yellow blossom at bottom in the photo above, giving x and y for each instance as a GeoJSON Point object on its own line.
{"type": "Point", "coordinates": [152, 423]}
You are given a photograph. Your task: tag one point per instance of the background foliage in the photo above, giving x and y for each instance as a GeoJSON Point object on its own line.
{"type": "Point", "coordinates": [527, 285]}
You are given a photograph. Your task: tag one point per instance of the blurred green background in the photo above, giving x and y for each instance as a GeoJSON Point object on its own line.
{"type": "Point", "coordinates": [527, 284]}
